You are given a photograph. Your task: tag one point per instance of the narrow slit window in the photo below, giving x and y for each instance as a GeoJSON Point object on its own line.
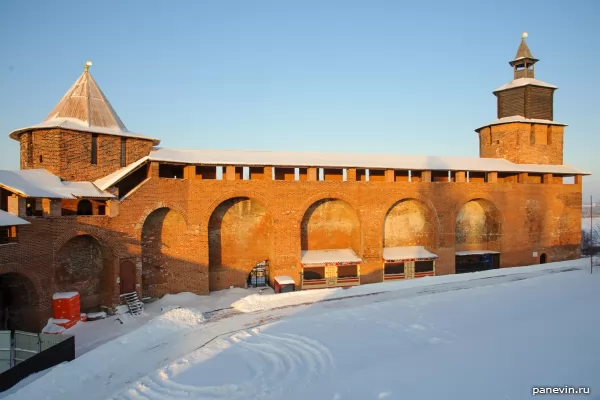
{"type": "Point", "coordinates": [123, 152]}
{"type": "Point", "coordinates": [94, 149]}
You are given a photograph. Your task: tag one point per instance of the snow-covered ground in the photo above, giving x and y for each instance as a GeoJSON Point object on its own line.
{"type": "Point", "coordinates": [491, 335]}
{"type": "Point", "coordinates": [89, 335]}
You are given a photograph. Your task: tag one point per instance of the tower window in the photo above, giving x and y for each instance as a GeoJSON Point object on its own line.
{"type": "Point", "coordinates": [532, 136]}
{"type": "Point", "coordinates": [549, 134]}
{"type": "Point", "coordinates": [41, 158]}
{"type": "Point", "coordinates": [123, 152]}
{"type": "Point", "coordinates": [30, 148]}
{"type": "Point", "coordinates": [94, 149]}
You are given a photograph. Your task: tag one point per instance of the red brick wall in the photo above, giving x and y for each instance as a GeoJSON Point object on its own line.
{"type": "Point", "coordinates": [239, 237]}
{"type": "Point", "coordinates": [513, 142]}
{"type": "Point", "coordinates": [528, 217]}
{"type": "Point", "coordinates": [68, 153]}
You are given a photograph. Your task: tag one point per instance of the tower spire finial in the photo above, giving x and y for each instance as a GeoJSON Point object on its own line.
{"type": "Point", "coordinates": [87, 66]}
{"type": "Point", "coordinates": [524, 35]}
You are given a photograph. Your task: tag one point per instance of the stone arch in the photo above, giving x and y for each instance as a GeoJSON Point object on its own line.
{"type": "Point", "coordinates": [410, 222]}
{"type": "Point", "coordinates": [256, 197]}
{"type": "Point", "coordinates": [543, 258]}
{"type": "Point", "coordinates": [310, 201]}
{"type": "Point", "coordinates": [165, 252]}
{"type": "Point", "coordinates": [114, 247]}
{"type": "Point", "coordinates": [239, 237]}
{"type": "Point", "coordinates": [478, 226]}
{"type": "Point", "coordinates": [19, 300]}
{"type": "Point", "coordinates": [331, 223]}
{"type": "Point", "coordinates": [144, 216]}
{"type": "Point", "coordinates": [84, 265]}
{"type": "Point", "coordinates": [84, 207]}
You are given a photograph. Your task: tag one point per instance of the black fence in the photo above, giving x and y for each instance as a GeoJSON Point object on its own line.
{"type": "Point", "coordinates": [45, 351]}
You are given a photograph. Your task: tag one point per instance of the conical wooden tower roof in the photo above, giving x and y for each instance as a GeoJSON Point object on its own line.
{"type": "Point", "coordinates": [84, 108]}
{"type": "Point", "coordinates": [85, 102]}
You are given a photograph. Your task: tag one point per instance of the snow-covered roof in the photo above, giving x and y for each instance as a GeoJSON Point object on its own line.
{"type": "Point", "coordinates": [406, 253]}
{"type": "Point", "coordinates": [519, 118]}
{"type": "Point", "coordinates": [524, 82]}
{"type": "Point", "coordinates": [285, 280]}
{"type": "Point", "coordinates": [476, 252]}
{"type": "Point", "coordinates": [109, 180]}
{"type": "Point", "coordinates": [320, 257]}
{"type": "Point", "coordinates": [350, 160]}
{"type": "Point", "coordinates": [41, 183]}
{"type": "Point", "coordinates": [10, 219]}
{"type": "Point", "coordinates": [77, 125]}
{"type": "Point", "coordinates": [85, 108]}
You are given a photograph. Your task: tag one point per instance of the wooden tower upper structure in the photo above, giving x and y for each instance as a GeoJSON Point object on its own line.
{"type": "Point", "coordinates": [525, 131]}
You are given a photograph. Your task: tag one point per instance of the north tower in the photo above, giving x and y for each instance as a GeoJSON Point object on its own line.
{"type": "Point", "coordinates": [525, 131]}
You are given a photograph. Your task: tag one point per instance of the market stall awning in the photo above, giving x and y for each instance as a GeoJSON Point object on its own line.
{"type": "Point", "coordinates": [403, 253]}
{"type": "Point", "coordinates": [329, 257]}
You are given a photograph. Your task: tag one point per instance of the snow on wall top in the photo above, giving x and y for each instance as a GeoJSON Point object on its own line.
{"type": "Point", "coordinates": [10, 219]}
{"type": "Point", "coordinates": [518, 118]}
{"type": "Point", "coordinates": [524, 82]}
{"type": "Point", "coordinates": [77, 125]}
{"type": "Point", "coordinates": [349, 160]}
{"type": "Point", "coordinates": [41, 183]}
{"type": "Point", "coordinates": [406, 253]}
{"type": "Point", "coordinates": [319, 257]}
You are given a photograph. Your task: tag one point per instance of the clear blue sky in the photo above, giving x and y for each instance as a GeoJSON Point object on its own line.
{"type": "Point", "coordinates": [351, 76]}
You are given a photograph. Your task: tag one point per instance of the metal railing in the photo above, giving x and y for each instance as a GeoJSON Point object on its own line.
{"type": "Point", "coordinates": [25, 353]}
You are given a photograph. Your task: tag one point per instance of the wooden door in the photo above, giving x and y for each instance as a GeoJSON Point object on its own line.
{"type": "Point", "coordinates": [127, 275]}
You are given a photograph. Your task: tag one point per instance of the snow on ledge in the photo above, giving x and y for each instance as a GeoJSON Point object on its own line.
{"type": "Point", "coordinates": [476, 252]}
{"type": "Point", "coordinates": [520, 118]}
{"type": "Point", "coordinates": [524, 82]}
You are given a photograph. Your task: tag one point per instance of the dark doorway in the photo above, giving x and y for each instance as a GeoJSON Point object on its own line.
{"type": "Point", "coordinates": [477, 262]}
{"type": "Point", "coordinates": [543, 258]}
{"type": "Point", "coordinates": [127, 275]}
{"type": "Point", "coordinates": [84, 207]}
{"type": "Point", "coordinates": [17, 303]}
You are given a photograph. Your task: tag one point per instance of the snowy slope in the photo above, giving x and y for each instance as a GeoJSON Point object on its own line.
{"type": "Point", "coordinates": [489, 335]}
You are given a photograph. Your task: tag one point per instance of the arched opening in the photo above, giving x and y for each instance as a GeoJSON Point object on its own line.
{"type": "Point", "coordinates": [409, 223]}
{"type": "Point", "coordinates": [18, 300]}
{"type": "Point", "coordinates": [331, 245]}
{"type": "Point", "coordinates": [83, 266]}
{"type": "Point", "coordinates": [543, 258]}
{"type": "Point", "coordinates": [84, 207]}
{"type": "Point", "coordinates": [330, 224]}
{"type": "Point", "coordinates": [409, 234]}
{"type": "Point", "coordinates": [127, 277]}
{"type": "Point", "coordinates": [478, 230]}
{"type": "Point", "coordinates": [239, 237]}
{"type": "Point", "coordinates": [164, 252]}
